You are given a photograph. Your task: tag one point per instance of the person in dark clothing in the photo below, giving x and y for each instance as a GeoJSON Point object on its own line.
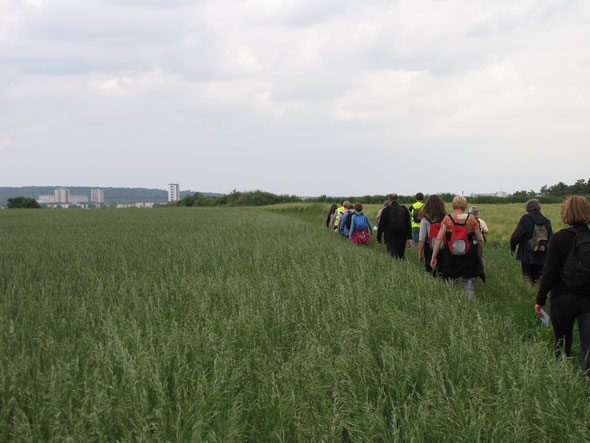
{"type": "Point", "coordinates": [396, 225]}
{"type": "Point", "coordinates": [567, 305]}
{"type": "Point", "coordinates": [531, 261]}
{"type": "Point", "coordinates": [330, 214]}
{"type": "Point", "coordinates": [431, 216]}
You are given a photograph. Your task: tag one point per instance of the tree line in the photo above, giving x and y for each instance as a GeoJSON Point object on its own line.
{"type": "Point", "coordinates": [547, 194]}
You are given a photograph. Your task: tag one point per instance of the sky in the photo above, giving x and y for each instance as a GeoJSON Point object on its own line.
{"type": "Point", "coordinates": [334, 97]}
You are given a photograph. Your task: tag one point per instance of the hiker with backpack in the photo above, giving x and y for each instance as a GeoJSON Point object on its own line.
{"type": "Point", "coordinates": [431, 217]}
{"type": "Point", "coordinates": [330, 214]}
{"type": "Point", "coordinates": [415, 209]}
{"type": "Point", "coordinates": [346, 220]}
{"type": "Point", "coordinates": [395, 224]}
{"type": "Point", "coordinates": [463, 247]}
{"type": "Point", "coordinates": [474, 211]}
{"type": "Point", "coordinates": [567, 275]}
{"type": "Point", "coordinates": [336, 216]}
{"type": "Point", "coordinates": [360, 228]}
{"type": "Point", "coordinates": [531, 236]}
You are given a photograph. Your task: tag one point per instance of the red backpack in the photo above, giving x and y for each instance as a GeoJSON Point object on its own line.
{"type": "Point", "coordinates": [433, 233]}
{"type": "Point", "coordinates": [458, 240]}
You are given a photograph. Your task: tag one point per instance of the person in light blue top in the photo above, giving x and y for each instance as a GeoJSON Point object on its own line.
{"type": "Point", "coordinates": [360, 227]}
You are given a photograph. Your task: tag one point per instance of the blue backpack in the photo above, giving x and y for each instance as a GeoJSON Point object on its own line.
{"type": "Point", "coordinates": [360, 221]}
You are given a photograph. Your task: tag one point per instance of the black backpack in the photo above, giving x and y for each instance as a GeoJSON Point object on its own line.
{"type": "Point", "coordinates": [348, 221]}
{"type": "Point", "coordinates": [576, 270]}
{"type": "Point", "coordinates": [397, 218]}
{"type": "Point", "coordinates": [416, 214]}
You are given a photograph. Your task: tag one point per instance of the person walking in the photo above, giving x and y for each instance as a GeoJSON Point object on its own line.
{"type": "Point", "coordinates": [531, 236]}
{"type": "Point", "coordinates": [345, 221]}
{"type": "Point", "coordinates": [567, 275]}
{"type": "Point", "coordinates": [385, 204]}
{"type": "Point", "coordinates": [474, 211]}
{"type": "Point", "coordinates": [330, 214]}
{"type": "Point", "coordinates": [336, 216]}
{"type": "Point", "coordinates": [432, 214]}
{"type": "Point", "coordinates": [415, 209]}
{"type": "Point", "coordinates": [360, 227]}
{"type": "Point", "coordinates": [463, 250]}
{"type": "Point", "coordinates": [395, 225]}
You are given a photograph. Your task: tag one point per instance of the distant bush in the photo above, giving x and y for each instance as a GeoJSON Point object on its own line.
{"type": "Point", "coordinates": [23, 203]}
{"type": "Point", "coordinates": [235, 198]}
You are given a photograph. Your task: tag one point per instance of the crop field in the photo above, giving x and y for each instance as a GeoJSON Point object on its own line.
{"type": "Point", "coordinates": [262, 325]}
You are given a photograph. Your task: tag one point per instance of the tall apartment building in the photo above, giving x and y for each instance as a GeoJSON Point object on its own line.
{"type": "Point", "coordinates": [77, 199]}
{"type": "Point", "coordinates": [97, 195]}
{"type": "Point", "coordinates": [173, 192]}
{"type": "Point", "coordinates": [61, 195]}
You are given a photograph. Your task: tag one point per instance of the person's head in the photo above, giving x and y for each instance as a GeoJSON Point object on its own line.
{"type": "Point", "coordinates": [386, 203]}
{"type": "Point", "coordinates": [333, 208]}
{"type": "Point", "coordinates": [434, 208]}
{"type": "Point", "coordinates": [576, 211]}
{"type": "Point", "coordinates": [342, 202]}
{"type": "Point", "coordinates": [474, 210]}
{"type": "Point", "coordinates": [393, 198]}
{"type": "Point", "coordinates": [358, 207]}
{"type": "Point", "coordinates": [345, 203]}
{"type": "Point", "coordinates": [532, 205]}
{"type": "Point", "coordinates": [350, 206]}
{"type": "Point", "coordinates": [419, 196]}
{"type": "Point", "coordinates": [459, 203]}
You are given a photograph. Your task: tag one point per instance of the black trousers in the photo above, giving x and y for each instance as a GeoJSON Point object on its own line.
{"type": "Point", "coordinates": [531, 273]}
{"type": "Point", "coordinates": [564, 311]}
{"type": "Point", "coordinates": [397, 247]}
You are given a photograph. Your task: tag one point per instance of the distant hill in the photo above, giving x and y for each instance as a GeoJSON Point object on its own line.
{"type": "Point", "coordinates": [110, 194]}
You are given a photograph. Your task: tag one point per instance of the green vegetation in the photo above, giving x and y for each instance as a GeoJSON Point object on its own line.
{"type": "Point", "coordinates": [22, 203]}
{"type": "Point", "coordinates": [235, 198]}
{"type": "Point", "coordinates": [244, 324]}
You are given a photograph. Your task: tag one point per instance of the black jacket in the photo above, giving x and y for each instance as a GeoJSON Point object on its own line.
{"type": "Point", "coordinates": [557, 251]}
{"type": "Point", "coordinates": [524, 232]}
{"type": "Point", "coordinates": [386, 226]}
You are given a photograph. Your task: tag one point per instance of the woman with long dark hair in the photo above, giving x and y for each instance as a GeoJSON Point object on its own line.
{"type": "Point", "coordinates": [330, 214]}
{"type": "Point", "coordinates": [431, 216]}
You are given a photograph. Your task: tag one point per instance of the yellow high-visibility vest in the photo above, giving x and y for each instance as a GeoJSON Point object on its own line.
{"type": "Point", "coordinates": [417, 207]}
{"type": "Point", "coordinates": [341, 208]}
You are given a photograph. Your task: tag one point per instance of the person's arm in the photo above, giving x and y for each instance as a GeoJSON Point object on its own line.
{"type": "Point", "coordinates": [408, 228]}
{"type": "Point", "coordinates": [382, 224]}
{"type": "Point", "coordinates": [480, 242]}
{"type": "Point", "coordinates": [352, 223]}
{"type": "Point", "coordinates": [439, 240]}
{"type": "Point", "coordinates": [517, 235]}
{"type": "Point", "coordinates": [551, 270]}
{"type": "Point", "coordinates": [483, 226]}
{"type": "Point", "coordinates": [423, 237]}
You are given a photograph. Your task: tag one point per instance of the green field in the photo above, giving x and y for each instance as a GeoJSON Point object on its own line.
{"type": "Point", "coordinates": [262, 325]}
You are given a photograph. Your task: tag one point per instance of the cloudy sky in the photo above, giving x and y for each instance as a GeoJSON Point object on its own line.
{"type": "Point", "coordinates": [303, 97]}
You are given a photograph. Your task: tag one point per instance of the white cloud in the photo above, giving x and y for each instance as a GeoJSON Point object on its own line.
{"type": "Point", "coordinates": [258, 86]}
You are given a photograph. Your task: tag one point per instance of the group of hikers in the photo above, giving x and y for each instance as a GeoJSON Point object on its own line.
{"type": "Point", "coordinates": [451, 246]}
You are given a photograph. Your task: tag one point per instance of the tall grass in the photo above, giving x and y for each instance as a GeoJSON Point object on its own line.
{"type": "Point", "coordinates": [227, 325]}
